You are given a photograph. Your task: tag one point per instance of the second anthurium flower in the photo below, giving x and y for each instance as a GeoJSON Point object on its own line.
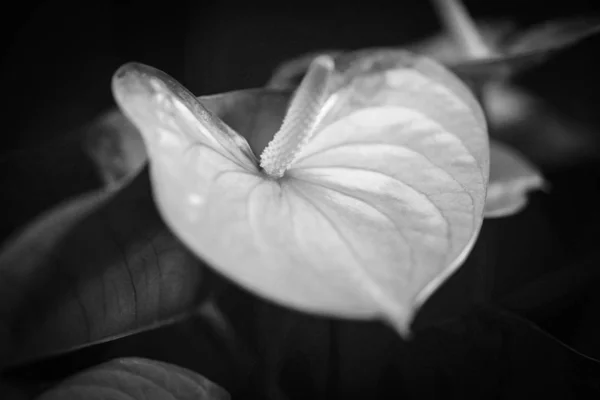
{"type": "Point", "coordinates": [368, 196]}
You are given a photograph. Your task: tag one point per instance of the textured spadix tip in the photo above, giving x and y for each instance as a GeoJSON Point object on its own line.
{"type": "Point", "coordinates": [305, 110]}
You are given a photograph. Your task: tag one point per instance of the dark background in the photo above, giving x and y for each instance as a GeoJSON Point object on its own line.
{"type": "Point", "coordinates": [58, 58]}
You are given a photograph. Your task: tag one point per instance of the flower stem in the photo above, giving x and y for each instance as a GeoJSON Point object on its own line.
{"type": "Point", "coordinates": [302, 116]}
{"type": "Point", "coordinates": [462, 28]}
{"type": "Point", "coordinates": [464, 31]}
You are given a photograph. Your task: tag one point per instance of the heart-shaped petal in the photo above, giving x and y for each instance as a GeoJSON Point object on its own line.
{"type": "Point", "coordinates": [371, 214]}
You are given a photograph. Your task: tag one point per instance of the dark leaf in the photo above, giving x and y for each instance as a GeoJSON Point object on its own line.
{"type": "Point", "coordinates": [136, 379]}
{"type": "Point", "coordinates": [485, 353]}
{"type": "Point", "coordinates": [98, 267]}
{"type": "Point", "coordinates": [544, 135]}
{"type": "Point", "coordinates": [493, 353]}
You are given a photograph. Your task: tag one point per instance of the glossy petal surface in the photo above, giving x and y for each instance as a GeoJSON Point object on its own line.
{"type": "Point", "coordinates": [380, 206]}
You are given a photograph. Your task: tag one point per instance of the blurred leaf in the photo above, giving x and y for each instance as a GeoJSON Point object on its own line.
{"type": "Point", "coordinates": [551, 36]}
{"type": "Point", "coordinates": [136, 379]}
{"type": "Point", "coordinates": [528, 49]}
{"type": "Point", "coordinates": [488, 59]}
{"type": "Point", "coordinates": [97, 267]}
{"type": "Point", "coordinates": [543, 134]}
{"type": "Point", "coordinates": [511, 179]}
{"type": "Point", "coordinates": [115, 146]}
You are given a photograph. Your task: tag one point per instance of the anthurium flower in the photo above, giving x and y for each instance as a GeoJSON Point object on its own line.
{"type": "Point", "coordinates": [368, 196]}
